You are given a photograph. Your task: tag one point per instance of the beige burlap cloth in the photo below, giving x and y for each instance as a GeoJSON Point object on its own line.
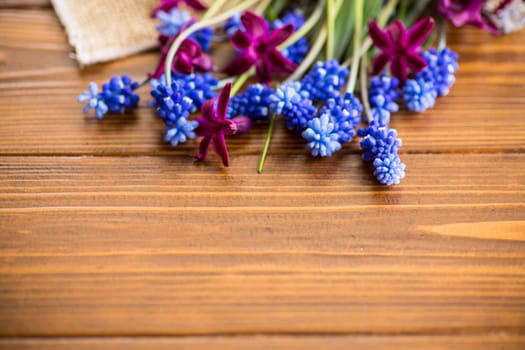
{"type": "Point", "coordinates": [103, 30]}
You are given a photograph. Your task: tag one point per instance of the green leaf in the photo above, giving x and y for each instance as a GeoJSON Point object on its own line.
{"type": "Point", "coordinates": [344, 27]}
{"type": "Point", "coordinates": [273, 11]}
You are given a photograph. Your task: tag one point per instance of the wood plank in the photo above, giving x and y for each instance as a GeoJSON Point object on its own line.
{"type": "Point", "coordinates": [39, 102]}
{"type": "Point", "coordinates": [263, 342]}
{"type": "Point", "coordinates": [145, 250]}
{"type": "Point", "coordinates": [24, 3]}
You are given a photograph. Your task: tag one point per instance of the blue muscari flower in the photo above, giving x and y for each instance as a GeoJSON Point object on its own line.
{"type": "Point", "coordinates": [321, 137]}
{"type": "Point", "coordinates": [171, 102]}
{"type": "Point", "coordinates": [441, 67]}
{"type": "Point", "coordinates": [293, 103]}
{"type": "Point", "coordinates": [294, 17]}
{"type": "Point", "coordinates": [380, 145]}
{"type": "Point", "coordinates": [345, 112]}
{"type": "Point", "coordinates": [94, 100]}
{"type": "Point", "coordinates": [388, 169]}
{"type": "Point", "coordinates": [197, 87]}
{"type": "Point", "coordinates": [203, 37]}
{"type": "Point", "coordinates": [182, 130]}
{"type": "Point", "coordinates": [233, 24]}
{"type": "Point", "coordinates": [324, 80]}
{"type": "Point", "coordinates": [419, 94]}
{"type": "Point", "coordinates": [286, 96]}
{"type": "Point", "coordinates": [172, 22]}
{"type": "Point", "coordinates": [297, 51]}
{"type": "Point", "coordinates": [118, 94]}
{"type": "Point", "coordinates": [382, 95]}
{"type": "Point", "coordinates": [253, 103]}
{"type": "Point", "coordinates": [377, 140]}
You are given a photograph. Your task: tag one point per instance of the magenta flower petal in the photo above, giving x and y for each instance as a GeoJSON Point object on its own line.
{"type": "Point", "coordinates": [254, 24]}
{"type": "Point", "coordinates": [415, 62]}
{"type": "Point", "coordinates": [167, 5]}
{"type": "Point", "coordinates": [196, 4]}
{"type": "Point", "coordinates": [398, 68]}
{"type": "Point", "coordinates": [280, 35]}
{"type": "Point", "coordinates": [397, 32]}
{"type": "Point", "coordinates": [380, 38]}
{"type": "Point", "coordinates": [183, 63]}
{"type": "Point", "coordinates": [259, 47]}
{"type": "Point", "coordinates": [419, 31]}
{"type": "Point", "coordinates": [400, 47]}
{"type": "Point", "coordinates": [263, 72]}
{"type": "Point", "coordinates": [461, 12]}
{"type": "Point", "coordinates": [188, 57]}
{"type": "Point", "coordinates": [214, 126]}
{"type": "Point", "coordinates": [379, 63]}
{"type": "Point", "coordinates": [222, 104]}
{"type": "Point", "coordinates": [241, 40]}
{"type": "Point", "coordinates": [203, 63]}
{"type": "Point", "coordinates": [203, 147]}
{"type": "Point", "coordinates": [240, 64]}
{"type": "Point", "coordinates": [280, 63]}
{"type": "Point", "coordinates": [219, 147]}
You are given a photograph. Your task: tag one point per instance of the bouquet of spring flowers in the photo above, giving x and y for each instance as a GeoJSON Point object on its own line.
{"type": "Point", "coordinates": [331, 70]}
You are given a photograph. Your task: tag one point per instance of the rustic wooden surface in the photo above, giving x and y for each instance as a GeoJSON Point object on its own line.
{"type": "Point", "coordinates": [111, 239]}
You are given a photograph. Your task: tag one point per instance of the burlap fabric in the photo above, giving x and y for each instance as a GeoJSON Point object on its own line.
{"type": "Point", "coordinates": [103, 30]}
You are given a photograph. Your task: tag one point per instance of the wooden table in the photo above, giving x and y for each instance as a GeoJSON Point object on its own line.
{"type": "Point", "coordinates": [111, 239]}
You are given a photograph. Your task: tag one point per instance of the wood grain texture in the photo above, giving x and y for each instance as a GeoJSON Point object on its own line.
{"type": "Point", "coordinates": [111, 239]}
{"type": "Point", "coordinates": [263, 342]}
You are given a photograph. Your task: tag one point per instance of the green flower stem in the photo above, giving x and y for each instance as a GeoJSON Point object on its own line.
{"type": "Point", "coordinates": [305, 29]}
{"type": "Point", "coordinates": [262, 6]}
{"type": "Point", "coordinates": [403, 9]}
{"type": "Point", "coordinates": [213, 9]}
{"type": "Point", "coordinates": [200, 25]}
{"type": "Point", "coordinates": [386, 12]}
{"type": "Point", "coordinates": [266, 144]}
{"type": "Point", "coordinates": [330, 29]}
{"type": "Point", "coordinates": [307, 61]}
{"type": "Point", "coordinates": [223, 82]}
{"type": "Point", "coordinates": [442, 43]}
{"type": "Point", "coordinates": [240, 81]}
{"type": "Point", "coordinates": [364, 88]}
{"type": "Point", "coordinates": [383, 17]}
{"type": "Point", "coordinates": [358, 24]}
{"type": "Point", "coordinates": [310, 58]}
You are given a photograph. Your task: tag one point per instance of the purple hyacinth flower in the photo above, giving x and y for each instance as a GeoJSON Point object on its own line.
{"type": "Point", "coordinates": [400, 47]}
{"type": "Point", "coordinates": [461, 12]}
{"type": "Point", "coordinates": [258, 47]}
{"type": "Point", "coordinates": [167, 5]}
{"type": "Point", "coordinates": [214, 126]}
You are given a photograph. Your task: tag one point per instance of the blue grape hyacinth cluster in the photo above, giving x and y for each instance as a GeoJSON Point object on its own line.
{"type": "Point", "coordinates": [197, 87]}
{"type": "Point", "coordinates": [326, 129]}
{"type": "Point", "coordinates": [116, 96]}
{"type": "Point", "coordinates": [382, 96]}
{"type": "Point", "coordinates": [174, 107]}
{"type": "Point", "coordinates": [172, 22]}
{"type": "Point", "coordinates": [298, 50]}
{"type": "Point", "coordinates": [435, 80]}
{"type": "Point", "coordinates": [321, 136]}
{"type": "Point", "coordinates": [175, 20]}
{"type": "Point", "coordinates": [253, 103]}
{"type": "Point", "coordinates": [294, 104]}
{"type": "Point", "coordinates": [324, 80]}
{"type": "Point", "coordinates": [233, 24]}
{"type": "Point", "coordinates": [380, 145]}
{"type": "Point", "coordinates": [419, 94]}
{"type": "Point", "coordinates": [334, 125]}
